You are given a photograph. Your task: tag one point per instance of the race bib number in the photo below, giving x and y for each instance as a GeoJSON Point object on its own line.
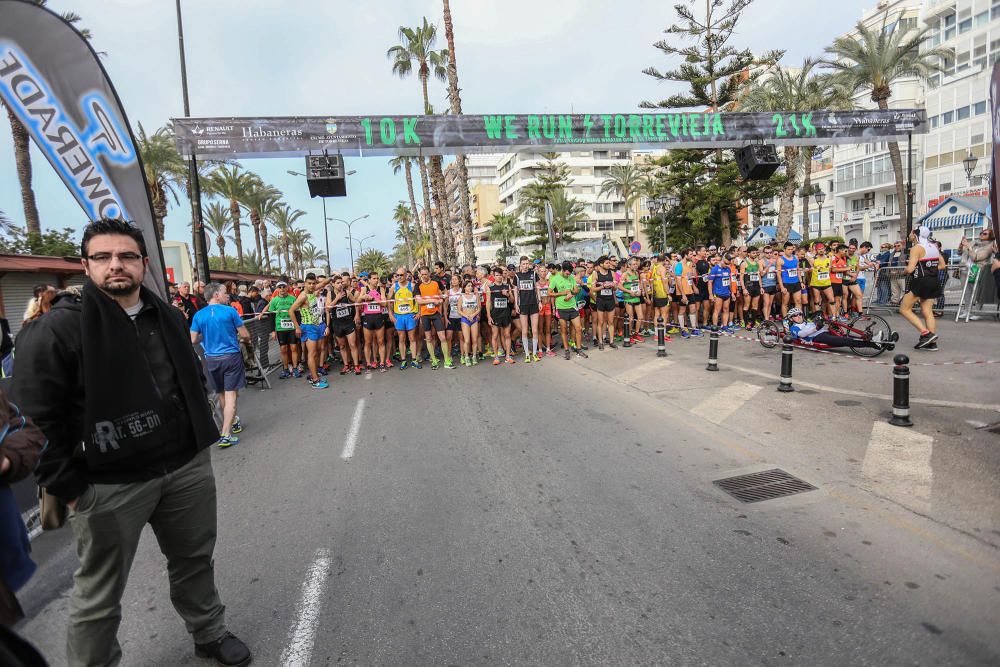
{"type": "Point", "coordinates": [793, 273]}
{"type": "Point", "coordinates": [343, 312]}
{"type": "Point", "coordinates": [607, 292]}
{"type": "Point", "coordinates": [754, 278]}
{"type": "Point", "coordinates": [469, 304]}
{"type": "Point", "coordinates": [403, 309]}
{"type": "Point", "coordinates": [526, 285]}
{"type": "Point", "coordinates": [634, 291]}
{"type": "Point", "coordinates": [822, 275]}
{"type": "Point", "coordinates": [770, 275]}
{"type": "Point", "coordinates": [543, 292]}
{"type": "Point", "coordinates": [725, 282]}
{"type": "Point", "coordinates": [285, 324]}
{"type": "Point", "coordinates": [500, 302]}
{"type": "Point", "coordinates": [372, 309]}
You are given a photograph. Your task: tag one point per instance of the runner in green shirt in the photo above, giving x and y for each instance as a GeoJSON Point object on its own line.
{"type": "Point", "coordinates": [284, 330]}
{"type": "Point", "coordinates": [564, 286]}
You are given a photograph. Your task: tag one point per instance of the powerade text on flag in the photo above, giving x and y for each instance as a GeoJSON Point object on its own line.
{"type": "Point", "coordinates": [52, 81]}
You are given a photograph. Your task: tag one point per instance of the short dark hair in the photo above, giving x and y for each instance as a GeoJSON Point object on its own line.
{"type": "Point", "coordinates": [567, 265]}
{"type": "Point", "coordinates": [438, 265]}
{"type": "Point", "coordinates": [522, 258]}
{"type": "Point", "coordinates": [310, 276]}
{"type": "Point", "coordinates": [112, 226]}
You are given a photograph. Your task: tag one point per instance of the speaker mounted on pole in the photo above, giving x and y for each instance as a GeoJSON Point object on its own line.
{"type": "Point", "coordinates": [757, 162]}
{"type": "Point", "coordinates": [325, 175]}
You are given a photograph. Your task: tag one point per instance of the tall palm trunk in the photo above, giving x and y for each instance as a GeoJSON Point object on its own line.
{"type": "Point", "coordinates": [255, 223]}
{"type": "Point", "coordinates": [234, 212]}
{"type": "Point", "coordinates": [413, 207]}
{"type": "Point", "coordinates": [897, 170]}
{"type": "Point", "coordinates": [428, 218]}
{"type": "Point", "coordinates": [448, 233]}
{"type": "Point", "coordinates": [160, 210]}
{"type": "Point", "coordinates": [263, 242]}
{"type": "Point", "coordinates": [786, 207]}
{"type": "Point", "coordinates": [221, 242]}
{"type": "Point", "coordinates": [807, 152]}
{"type": "Point", "coordinates": [468, 246]}
{"type": "Point", "coordinates": [22, 158]}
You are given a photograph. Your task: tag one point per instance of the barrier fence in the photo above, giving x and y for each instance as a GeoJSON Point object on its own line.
{"type": "Point", "coordinates": [964, 291]}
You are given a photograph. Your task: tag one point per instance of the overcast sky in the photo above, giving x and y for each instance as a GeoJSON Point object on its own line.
{"type": "Point", "coordinates": [301, 57]}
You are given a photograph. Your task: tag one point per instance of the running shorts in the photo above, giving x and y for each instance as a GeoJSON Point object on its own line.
{"type": "Point", "coordinates": [771, 289]}
{"type": "Point", "coordinates": [838, 289]}
{"type": "Point", "coordinates": [226, 371]}
{"type": "Point", "coordinates": [793, 287]}
{"type": "Point", "coordinates": [474, 320]}
{"type": "Point", "coordinates": [568, 314]}
{"type": "Point", "coordinates": [501, 318]}
{"type": "Point", "coordinates": [605, 305]}
{"type": "Point", "coordinates": [373, 322]}
{"type": "Point", "coordinates": [343, 328]}
{"type": "Point", "coordinates": [660, 302]}
{"type": "Point", "coordinates": [454, 324]}
{"type": "Point", "coordinates": [545, 309]}
{"type": "Point", "coordinates": [848, 283]}
{"type": "Point", "coordinates": [529, 309]}
{"type": "Point", "coordinates": [724, 297]}
{"type": "Point", "coordinates": [753, 289]}
{"type": "Point", "coordinates": [314, 332]}
{"type": "Point", "coordinates": [406, 322]}
{"type": "Point", "coordinates": [286, 337]}
{"type": "Point", "coordinates": [926, 287]}
{"type": "Point", "coordinates": [432, 322]}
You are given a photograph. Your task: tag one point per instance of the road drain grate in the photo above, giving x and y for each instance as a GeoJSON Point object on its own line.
{"type": "Point", "coordinates": [765, 485]}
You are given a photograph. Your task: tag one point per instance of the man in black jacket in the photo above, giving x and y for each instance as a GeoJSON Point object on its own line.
{"type": "Point", "coordinates": [112, 380]}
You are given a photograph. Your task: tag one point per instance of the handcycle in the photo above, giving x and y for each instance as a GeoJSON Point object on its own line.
{"type": "Point", "coordinates": [862, 327]}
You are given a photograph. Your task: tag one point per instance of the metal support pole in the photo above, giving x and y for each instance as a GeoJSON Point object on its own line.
{"type": "Point", "coordinates": [713, 350]}
{"type": "Point", "coordinates": [901, 391]}
{"type": "Point", "coordinates": [326, 238]}
{"type": "Point", "coordinates": [785, 385]}
{"type": "Point", "coordinates": [661, 344]}
{"type": "Point", "coordinates": [627, 331]}
{"type": "Point", "coordinates": [909, 187]}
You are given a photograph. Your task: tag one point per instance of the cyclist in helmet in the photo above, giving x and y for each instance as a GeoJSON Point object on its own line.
{"type": "Point", "coordinates": [810, 332]}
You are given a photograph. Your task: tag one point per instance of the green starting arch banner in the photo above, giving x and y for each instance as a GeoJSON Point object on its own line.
{"type": "Point", "coordinates": [429, 135]}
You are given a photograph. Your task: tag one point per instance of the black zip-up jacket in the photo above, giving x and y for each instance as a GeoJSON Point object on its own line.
{"type": "Point", "coordinates": [48, 386]}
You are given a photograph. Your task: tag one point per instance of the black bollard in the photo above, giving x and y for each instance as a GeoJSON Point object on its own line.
{"type": "Point", "coordinates": [661, 333]}
{"type": "Point", "coordinates": [627, 331]}
{"type": "Point", "coordinates": [785, 385]}
{"type": "Point", "coordinates": [901, 391]}
{"type": "Point", "coordinates": [713, 350]}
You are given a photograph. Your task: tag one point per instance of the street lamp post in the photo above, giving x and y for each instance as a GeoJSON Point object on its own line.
{"type": "Point", "coordinates": [326, 232]}
{"type": "Point", "coordinates": [820, 197]}
{"type": "Point", "coordinates": [659, 206]}
{"type": "Point", "coordinates": [969, 164]}
{"type": "Point", "coordinates": [350, 236]}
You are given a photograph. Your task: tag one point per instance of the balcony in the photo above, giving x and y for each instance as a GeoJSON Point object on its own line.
{"type": "Point", "coordinates": [935, 9]}
{"type": "Point", "coordinates": [863, 182]}
{"type": "Point", "coordinates": [874, 213]}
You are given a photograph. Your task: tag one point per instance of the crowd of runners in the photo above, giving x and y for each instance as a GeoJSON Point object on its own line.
{"type": "Point", "coordinates": [502, 314]}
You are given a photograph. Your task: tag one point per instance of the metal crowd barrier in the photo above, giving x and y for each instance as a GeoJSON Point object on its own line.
{"type": "Point", "coordinates": [261, 355]}
{"type": "Point", "coordinates": [890, 283]}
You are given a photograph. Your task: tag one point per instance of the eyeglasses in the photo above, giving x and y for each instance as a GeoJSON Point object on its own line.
{"type": "Point", "coordinates": [123, 257]}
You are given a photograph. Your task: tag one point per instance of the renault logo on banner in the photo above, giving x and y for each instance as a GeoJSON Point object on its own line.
{"type": "Point", "coordinates": [75, 152]}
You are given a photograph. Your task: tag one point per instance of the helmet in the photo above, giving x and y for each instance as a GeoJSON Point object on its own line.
{"type": "Point", "coordinates": [792, 312]}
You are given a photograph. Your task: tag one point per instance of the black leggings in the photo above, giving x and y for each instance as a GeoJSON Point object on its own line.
{"type": "Point", "coordinates": [841, 341]}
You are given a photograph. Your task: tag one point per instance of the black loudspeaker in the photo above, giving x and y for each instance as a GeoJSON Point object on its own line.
{"type": "Point", "coordinates": [757, 162]}
{"type": "Point", "coordinates": [325, 176]}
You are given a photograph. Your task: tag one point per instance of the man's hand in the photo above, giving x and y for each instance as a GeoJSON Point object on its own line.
{"type": "Point", "coordinates": [4, 465]}
{"type": "Point", "coordinates": [274, 335]}
{"type": "Point", "coordinates": [298, 332]}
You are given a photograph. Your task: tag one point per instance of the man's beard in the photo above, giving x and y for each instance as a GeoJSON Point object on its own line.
{"type": "Point", "coordinates": [119, 289]}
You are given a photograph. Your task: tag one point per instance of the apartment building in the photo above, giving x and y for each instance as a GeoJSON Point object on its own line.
{"type": "Point", "coordinates": [483, 199]}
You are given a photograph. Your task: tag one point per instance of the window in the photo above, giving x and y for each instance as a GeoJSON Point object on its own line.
{"type": "Point", "coordinates": [965, 26]}
{"type": "Point", "coordinates": [931, 162]}
{"type": "Point", "coordinates": [977, 138]}
{"type": "Point", "coordinates": [995, 12]}
{"type": "Point", "coordinates": [909, 24]}
{"type": "Point", "coordinates": [890, 204]}
{"type": "Point", "coordinates": [962, 62]}
{"type": "Point", "coordinates": [947, 117]}
{"type": "Point", "coordinates": [605, 225]}
{"type": "Point", "coordinates": [945, 187]}
{"type": "Point", "coordinates": [962, 113]}
{"type": "Point", "coordinates": [935, 121]}
{"type": "Point", "coordinates": [934, 80]}
{"type": "Point", "coordinates": [600, 155]}
{"type": "Point", "coordinates": [982, 18]}
{"type": "Point", "coordinates": [979, 108]}
{"type": "Point", "coordinates": [949, 26]}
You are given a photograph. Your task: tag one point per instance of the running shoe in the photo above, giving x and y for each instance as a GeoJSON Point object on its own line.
{"type": "Point", "coordinates": [581, 353]}
{"type": "Point", "coordinates": [527, 358]}
{"type": "Point", "coordinates": [435, 364]}
{"type": "Point", "coordinates": [322, 384]}
{"type": "Point", "coordinates": [668, 339]}
{"type": "Point", "coordinates": [372, 365]}
{"type": "Point", "coordinates": [535, 357]}
{"type": "Point", "coordinates": [382, 368]}
{"type": "Point", "coordinates": [297, 373]}
{"type": "Point", "coordinates": [237, 426]}
{"type": "Point", "coordinates": [357, 370]}
{"type": "Point", "coordinates": [648, 332]}
{"type": "Point", "coordinates": [475, 360]}
{"type": "Point", "coordinates": [566, 355]}
{"type": "Point", "coordinates": [417, 364]}
{"type": "Point", "coordinates": [930, 347]}
{"type": "Point", "coordinates": [612, 345]}
{"type": "Point", "coordinates": [321, 370]}
{"type": "Point", "coordinates": [510, 360]}
{"type": "Point", "coordinates": [673, 330]}
{"type": "Point", "coordinates": [637, 338]}
{"type": "Point", "coordinates": [344, 369]}
{"type": "Point", "coordinates": [600, 346]}
{"type": "Point", "coordinates": [925, 340]}
{"type": "Point", "coordinates": [496, 361]}
{"type": "Point", "coordinates": [402, 365]}
{"type": "Point", "coordinates": [450, 365]}
{"type": "Point", "coordinates": [285, 374]}
{"type": "Point", "coordinates": [696, 332]}
{"type": "Point", "coordinates": [388, 363]}
{"type": "Point", "coordinates": [550, 353]}
{"type": "Point", "coordinates": [685, 334]}
{"type": "Point", "coordinates": [227, 441]}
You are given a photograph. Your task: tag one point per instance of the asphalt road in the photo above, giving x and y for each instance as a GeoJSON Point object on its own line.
{"type": "Point", "coordinates": [565, 514]}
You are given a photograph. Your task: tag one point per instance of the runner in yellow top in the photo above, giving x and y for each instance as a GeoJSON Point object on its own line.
{"type": "Point", "coordinates": [659, 278]}
{"type": "Point", "coordinates": [820, 282]}
{"type": "Point", "coordinates": [404, 317]}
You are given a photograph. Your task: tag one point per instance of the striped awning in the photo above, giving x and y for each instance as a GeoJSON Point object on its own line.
{"type": "Point", "coordinates": [955, 221]}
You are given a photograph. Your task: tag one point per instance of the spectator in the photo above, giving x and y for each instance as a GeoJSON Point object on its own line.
{"type": "Point", "coordinates": [147, 436]}
{"type": "Point", "coordinates": [186, 301]}
{"type": "Point", "coordinates": [20, 445]}
{"type": "Point", "coordinates": [198, 289]}
{"type": "Point", "coordinates": [977, 255]}
{"type": "Point", "coordinates": [221, 327]}
{"type": "Point", "coordinates": [40, 302]}
{"type": "Point", "coordinates": [262, 328]}
{"type": "Point", "coordinates": [897, 277]}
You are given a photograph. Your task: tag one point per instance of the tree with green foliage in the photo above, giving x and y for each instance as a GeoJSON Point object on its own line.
{"type": "Point", "coordinates": [715, 72]}
{"type": "Point", "coordinates": [165, 170]}
{"type": "Point", "coordinates": [232, 182]}
{"type": "Point", "coordinates": [260, 199]}
{"type": "Point", "coordinates": [505, 229]}
{"type": "Point", "coordinates": [51, 243]}
{"type": "Point", "coordinates": [625, 181]}
{"type": "Point", "coordinates": [403, 217]}
{"type": "Point", "coordinates": [373, 260]}
{"type": "Point", "coordinates": [566, 212]}
{"type": "Point", "coordinates": [551, 176]}
{"type": "Point", "coordinates": [876, 58]}
{"type": "Point", "coordinates": [218, 223]}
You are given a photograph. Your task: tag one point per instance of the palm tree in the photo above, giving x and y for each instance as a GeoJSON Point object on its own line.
{"type": "Point", "coordinates": [506, 229]}
{"type": "Point", "coordinates": [232, 183]}
{"type": "Point", "coordinates": [22, 155]}
{"type": "Point", "coordinates": [218, 222]}
{"type": "Point", "coordinates": [277, 246]}
{"type": "Point", "coordinates": [876, 59]}
{"type": "Point", "coordinates": [252, 263]}
{"type": "Point", "coordinates": [429, 216]}
{"type": "Point", "coordinates": [164, 167]}
{"type": "Point", "coordinates": [422, 246]}
{"type": "Point", "coordinates": [298, 239]}
{"type": "Point", "coordinates": [566, 212]}
{"type": "Point", "coordinates": [403, 217]}
{"type": "Point", "coordinates": [311, 255]}
{"type": "Point", "coordinates": [257, 197]}
{"type": "Point", "coordinates": [267, 209]}
{"type": "Point", "coordinates": [405, 164]}
{"type": "Point", "coordinates": [284, 219]}
{"type": "Point", "coordinates": [374, 260]}
{"type": "Point", "coordinates": [455, 98]}
{"type": "Point", "coordinates": [625, 181]}
{"type": "Point", "coordinates": [417, 47]}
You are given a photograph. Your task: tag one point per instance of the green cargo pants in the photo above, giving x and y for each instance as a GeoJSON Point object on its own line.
{"type": "Point", "coordinates": [108, 520]}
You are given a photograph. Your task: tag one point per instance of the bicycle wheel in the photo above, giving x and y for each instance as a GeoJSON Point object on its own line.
{"type": "Point", "coordinates": [770, 333]}
{"type": "Point", "coordinates": [874, 328]}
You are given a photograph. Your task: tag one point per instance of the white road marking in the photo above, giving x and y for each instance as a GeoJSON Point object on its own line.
{"type": "Point", "coordinates": [854, 392]}
{"type": "Point", "coordinates": [642, 370]}
{"type": "Point", "coordinates": [725, 401]}
{"type": "Point", "coordinates": [352, 433]}
{"type": "Point", "coordinates": [298, 653]}
{"type": "Point", "coordinates": [898, 464]}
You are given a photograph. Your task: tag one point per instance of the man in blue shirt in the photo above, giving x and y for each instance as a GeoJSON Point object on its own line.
{"type": "Point", "coordinates": [719, 279]}
{"type": "Point", "coordinates": [220, 327]}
